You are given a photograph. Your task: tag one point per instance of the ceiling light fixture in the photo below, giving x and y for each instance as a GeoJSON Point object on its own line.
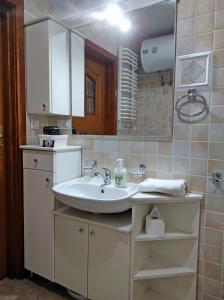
{"type": "Point", "coordinates": [125, 25]}
{"type": "Point", "coordinates": [114, 16]}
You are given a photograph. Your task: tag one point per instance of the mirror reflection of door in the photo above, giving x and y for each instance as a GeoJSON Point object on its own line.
{"type": "Point", "coordinates": [2, 171]}
{"type": "Point", "coordinates": [100, 93]}
{"type": "Point", "coordinates": [93, 122]}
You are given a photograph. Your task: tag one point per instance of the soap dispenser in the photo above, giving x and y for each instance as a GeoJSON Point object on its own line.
{"type": "Point", "coordinates": [120, 174]}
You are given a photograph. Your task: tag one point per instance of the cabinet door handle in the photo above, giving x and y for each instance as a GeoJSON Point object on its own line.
{"type": "Point", "coordinates": [47, 180]}
{"type": "Point", "coordinates": [81, 230]}
{"type": "Point", "coordinates": [44, 107]}
{"type": "Point", "coordinates": [35, 160]}
{"type": "Point", "coordinates": [92, 233]}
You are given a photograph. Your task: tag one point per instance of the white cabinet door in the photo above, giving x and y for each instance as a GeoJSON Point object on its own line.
{"type": "Point", "coordinates": [109, 263]}
{"type": "Point", "coordinates": [48, 68]}
{"type": "Point", "coordinates": [38, 222]}
{"type": "Point", "coordinates": [71, 254]}
{"type": "Point", "coordinates": [60, 69]}
{"type": "Point", "coordinates": [38, 68]}
{"type": "Point", "coordinates": [77, 74]}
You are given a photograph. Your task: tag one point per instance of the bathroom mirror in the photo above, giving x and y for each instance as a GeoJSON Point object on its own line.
{"type": "Point", "coordinates": [142, 53]}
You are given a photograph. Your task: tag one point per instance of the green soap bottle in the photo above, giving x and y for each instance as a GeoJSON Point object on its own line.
{"type": "Point", "coordinates": [120, 174]}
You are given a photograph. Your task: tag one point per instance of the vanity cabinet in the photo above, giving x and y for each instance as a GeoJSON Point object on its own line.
{"type": "Point", "coordinates": [92, 254]}
{"type": "Point", "coordinates": [48, 68]}
{"type": "Point", "coordinates": [71, 254]}
{"type": "Point", "coordinates": [38, 221]}
{"type": "Point", "coordinates": [109, 260]}
{"type": "Point", "coordinates": [43, 168]}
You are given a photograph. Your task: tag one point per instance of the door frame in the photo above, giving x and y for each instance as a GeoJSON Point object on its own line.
{"type": "Point", "coordinates": [14, 129]}
{"type": "Point", "coordinates": [111, 83]}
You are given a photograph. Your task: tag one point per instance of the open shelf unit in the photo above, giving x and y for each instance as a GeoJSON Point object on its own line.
{"type": "Point", "coordinates": [169, 235]}
{"type": "Point", "coordinates": [151, 294]}
{"type": "Point", "coordinates": [158, 268]}
{"type": "Point", "coordinates": [173, 288]}
{"type": "Point", "coordinates": [165, 267]}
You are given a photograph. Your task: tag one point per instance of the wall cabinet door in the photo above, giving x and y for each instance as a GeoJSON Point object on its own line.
{"type": "Point", "coordinates": [109, 263]}
{"type": "Point", "coordinates": [48, 68]}
{"type": "Point", "coordinates": [38, 222]}
{"type": "Point", "coordinates": [77, 75]}
{"type": "Point", "coordinates": [71, 254]}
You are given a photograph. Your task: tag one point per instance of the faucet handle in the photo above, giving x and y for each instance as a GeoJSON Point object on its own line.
{"type": "Point", "coordinates": [90, 164]}
{"type": "Point", "coordinates": [216, 178]}
{"type": "Point", "coordinates": [93, 164]}
{"type": "Point", "coordinates": [107, 173]}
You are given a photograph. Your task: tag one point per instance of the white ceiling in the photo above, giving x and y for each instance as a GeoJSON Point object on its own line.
{"type": "Point", "coordinates": [149, 21]}
{"type": "Point", "coordinates": [75, 12]}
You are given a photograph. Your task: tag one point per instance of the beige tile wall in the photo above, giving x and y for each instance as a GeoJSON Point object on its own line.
{"type": "Point", "coordinates": [155, 106]}
{"type": "Point", "coordinates": [195, 151]}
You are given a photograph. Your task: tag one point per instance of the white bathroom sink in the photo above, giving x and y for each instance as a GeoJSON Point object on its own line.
{"type": "Point", "coordinates": [90, 196]}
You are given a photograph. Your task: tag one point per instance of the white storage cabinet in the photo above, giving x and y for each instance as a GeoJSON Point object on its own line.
{"type": "Point", "coordinates": [43, 168]}
{"type": "Point", "coordinates": [48, 69]}
{"type": "Point", "coordinates": [92, 254]}
{"type": "Point", "coordinates": [165, 267]}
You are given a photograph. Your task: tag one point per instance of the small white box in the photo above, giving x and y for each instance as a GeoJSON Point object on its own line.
{"type": "Point", "coordinates": [154, 227]}
{"type": "Point", "coordinates": [59, 140]}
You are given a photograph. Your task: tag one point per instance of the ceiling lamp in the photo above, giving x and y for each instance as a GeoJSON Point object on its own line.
{"type": "Point", "coordinates": [114, 16]}
{"type": "Point", "coordinates": [125, 25]}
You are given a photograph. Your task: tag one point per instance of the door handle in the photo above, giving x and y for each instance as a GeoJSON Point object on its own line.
{"type": "Point", "coordinates": [92, 232]}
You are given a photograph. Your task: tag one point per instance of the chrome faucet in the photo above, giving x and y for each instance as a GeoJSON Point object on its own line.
{"type": "Point", "coordinates": [106, 176]}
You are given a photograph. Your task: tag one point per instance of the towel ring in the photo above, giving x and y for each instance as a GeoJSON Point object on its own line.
{"type": "Point", "coordinates": [192, 97]}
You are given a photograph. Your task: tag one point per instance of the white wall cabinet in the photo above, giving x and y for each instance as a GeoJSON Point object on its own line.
{"type": "Point", "coordinates": [77, 74]}
{"type": "Point", "coordinates": [42, 170]}
{"type": "Point", "coordinates": [48, 69]}
{"type": "Point", "coordinates": [107, 251]}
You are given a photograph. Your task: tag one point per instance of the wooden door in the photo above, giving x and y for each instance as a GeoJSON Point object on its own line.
{"type": "Point", "coordinates": [109, 263]}
{"type": "Point", "coordinates": [12, 84]}
{"type": "Point", "coordinates": [2, 176]}
{"type": "Point", "coordinates": [71, 254]}
{"type": "Point", "coordinates": [94, 120]}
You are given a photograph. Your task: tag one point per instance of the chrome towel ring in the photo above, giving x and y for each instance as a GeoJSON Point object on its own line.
{"type": "Point", "coordinates": [192, 98]}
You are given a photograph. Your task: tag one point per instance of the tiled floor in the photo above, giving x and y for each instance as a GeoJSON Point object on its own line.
{"type": "Point", "coordinates": [27, 289]}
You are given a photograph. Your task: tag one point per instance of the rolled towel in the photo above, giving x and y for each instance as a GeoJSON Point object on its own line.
{"type": "Point", "coordinates": [175, 187]}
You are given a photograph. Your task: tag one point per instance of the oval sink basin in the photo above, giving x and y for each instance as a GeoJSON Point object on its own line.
{"type": "Point", "coordinates": [91, 196]}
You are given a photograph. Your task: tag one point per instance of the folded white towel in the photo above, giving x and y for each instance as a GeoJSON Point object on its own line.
{"type": "Point", "coordinates": [175, 187]}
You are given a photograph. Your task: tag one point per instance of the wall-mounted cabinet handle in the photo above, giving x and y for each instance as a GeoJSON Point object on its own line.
{"type": "Point", "coordinates": [92, 233]}
{"type": "Point", "coordinates": [47, 180]}
{"type": "Point", "coordinates": [81, 230]}
{"type": "Point", "coordinates": [35, 160]}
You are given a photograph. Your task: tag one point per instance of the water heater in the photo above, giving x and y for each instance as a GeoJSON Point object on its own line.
{"type": "Point", "coordinates": [157, 54]}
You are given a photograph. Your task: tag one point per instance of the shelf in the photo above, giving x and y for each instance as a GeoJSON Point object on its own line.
{"type": "Point", "coordinates": [154, 198]}
{"type": "Point", "coordinates": [120, 222]}
{"type": "Point", "coordinates": [154, 295]}
{"type": "Point", "coordinates": [158, 268]}
{"type": "Point", "coordinates": [169, 235]}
